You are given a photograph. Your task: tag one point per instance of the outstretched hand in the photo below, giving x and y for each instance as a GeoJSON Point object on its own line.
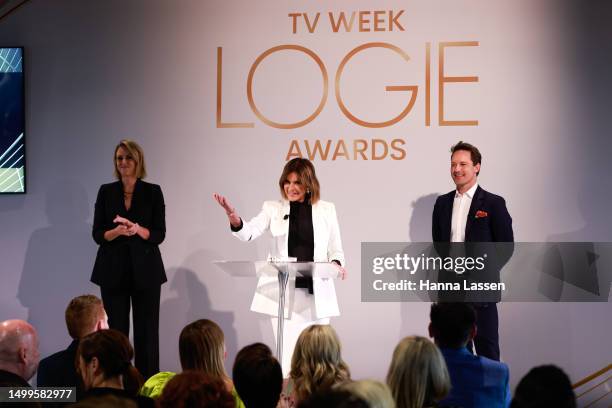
{"type": "Point", "coordinates": [234, 219]}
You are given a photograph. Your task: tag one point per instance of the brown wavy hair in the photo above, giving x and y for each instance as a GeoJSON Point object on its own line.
{"type": "Point", "coordinates": [305, 171]}
{"type": "Point", "coordinates": [317, 361]}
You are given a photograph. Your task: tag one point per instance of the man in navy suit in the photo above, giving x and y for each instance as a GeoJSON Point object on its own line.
{"type": "Point", "coordinates": [85, 314]}
{"type": "Point", "coordinates": [471, 214]}
{"type": "Point", "coordinates": [476, 381]}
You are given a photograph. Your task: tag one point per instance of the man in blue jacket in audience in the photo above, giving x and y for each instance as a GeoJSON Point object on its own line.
{"type": "Point", "coordinates": [475, 381]}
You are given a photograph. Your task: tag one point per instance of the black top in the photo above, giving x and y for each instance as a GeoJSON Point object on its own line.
{"type": "Point", "coordinates": [129, 256]}
{"type": "Point", "coordinates": [143, 402]}
{"type": "Point", "coordinates": [58, 370]}
{"type": "Point", "coordinates": [8, 379]}
{"type": "Point", "coordinates": [301, 236]}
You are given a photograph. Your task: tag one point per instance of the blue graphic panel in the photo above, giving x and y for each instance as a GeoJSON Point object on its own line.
{"type": "Point", "coordinates": [12, 121]}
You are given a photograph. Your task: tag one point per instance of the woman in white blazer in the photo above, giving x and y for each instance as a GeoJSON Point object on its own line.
{"type": "Point", "coordinates": [304, 227]}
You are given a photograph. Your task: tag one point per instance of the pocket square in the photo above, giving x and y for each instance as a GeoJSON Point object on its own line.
{"type": "Point", "coordinates": [481, 214]}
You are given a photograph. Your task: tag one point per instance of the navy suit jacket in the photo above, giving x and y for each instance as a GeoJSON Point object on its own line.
{"type": "Point", "coordinates": [476, 382]}
{"type": "Point", "coordinates": [125, 255]}
{"type": "Point", "coordinates": [495, 227]}
{"type": "Point", "coordinates": [493, 224]}
{"type": "Point", "coordinates": [58, 370]}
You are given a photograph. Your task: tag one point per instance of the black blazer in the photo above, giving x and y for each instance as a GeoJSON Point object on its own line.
{"type": "Point", "coordinates": [118, 257]}
{"type": "Point", "coordinates": [496, 226]}
{"type": "Point", "coordinates": [58, 370]}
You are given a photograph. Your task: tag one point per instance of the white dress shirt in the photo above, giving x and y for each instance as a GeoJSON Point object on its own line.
{"type": "Point", "coordinates": [461, 208]}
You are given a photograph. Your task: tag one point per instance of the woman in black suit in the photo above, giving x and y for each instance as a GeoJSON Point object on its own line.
{"type": "Point", "coordinates": [129, 224]}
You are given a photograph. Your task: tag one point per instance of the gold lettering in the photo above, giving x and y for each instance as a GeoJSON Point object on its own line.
{"type": "Point", "coordinates": [312, 27]}
{"type": "Point", "coordinates": [379, 141]}
{"type": "Point", "coordinates": [341, 21]}
{"type": "Point", "coordinates": [364, 147]}
{"type": "Point", "coordinates": [317, 147]}
{"type": "Point", "coordinates": [337, 151]}
{"type": "Point", "coordinates": [442, 79]}
{"type": "Point", "coordinates": [251, 99]}
{"type": "Point", "coordinates": [220, 123]}
{"type": "Point", "coordinates": [378, 22]}
{"type": "Point", "coordinates": [394, 146]}
{"type": "Point", "coordinates": [364, 18]}
{"type": "Point", "coordinates": [412, 88]}
{"type": "Point", "coordinates": [294, 150]}
{"type": "Point", "coordinates": [294, 17]}
{"type": "Point", "coordinates": [393, 20]}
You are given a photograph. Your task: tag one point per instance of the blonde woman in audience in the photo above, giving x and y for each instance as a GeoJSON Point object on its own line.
{"type": "Point", "coordinates": [374, 393]}
{"type": "Point", "coordinates": [201, 348]}
{"type": "Point", "coordinates": [418, 377]}
{"type": "Point", "coordinates": [316, 365]}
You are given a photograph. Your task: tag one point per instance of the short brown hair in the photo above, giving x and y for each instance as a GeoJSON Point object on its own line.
{"type": "Point", "coordinates": [196, 389]}
{"type": "Point", "coordinates": [474, 152]}
{"type": "Point", "coordinates": [306, 175]}
{"type": "Point", "coordinates": [82, 314]}
{"type": "Point", "coordinates": [137, 154]}
{"type": "Point", "coordinates": [202, 347]}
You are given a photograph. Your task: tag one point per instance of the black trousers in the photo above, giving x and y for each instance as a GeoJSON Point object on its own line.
{"type": "Point", "coordinates": [145, 309]}
{"type": "Point", "coordinates": [487, 334]}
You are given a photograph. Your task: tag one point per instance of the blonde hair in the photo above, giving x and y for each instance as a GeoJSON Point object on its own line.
{"type": "Point", "coordinates": [317, 362]}
{"type": "Point", "coordinates": [202, 348]}
{"type": "Point", "coordinates": [417, 376]}
{"type": "Point", "coordinates": [306, 175]}
{"type": "Point", "coordinates": [374, 393]}
{"type": "Point", "coordinates": [137, 154]}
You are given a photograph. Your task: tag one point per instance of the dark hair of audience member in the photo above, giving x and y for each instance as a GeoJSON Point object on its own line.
{"type": "Point", "coordinates": [451, 323]}
{"type": "Point", "coordinates": [317, 361]}
{"type": "Point", "coordinates": [544, 386]}
{"type": "Point", "coordinates": [105, 401]}
{"type": "Point", "coordinates": [257, 376]}
{"type": "Point", "coordinates": [332, 398]}
{"type": "Point", "coordinates": [202, 347]}
{"type": "Point", "coordinates": [193, 388]}
{"type": "Point", "coordinates": [417, 376]}
{"type": "Point", "coordinates": [82, 313]}
{"type": "Point", "coordinates": [114, 353]}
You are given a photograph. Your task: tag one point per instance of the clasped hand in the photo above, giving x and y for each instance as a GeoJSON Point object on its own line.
{"type": "Point", "coordinates": [125, 226]}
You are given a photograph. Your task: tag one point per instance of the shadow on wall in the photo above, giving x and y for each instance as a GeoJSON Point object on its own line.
{"type": "Point", "coordinates": [190, 301]}
{"type": "Point", "coordinates": [420, 231]}
{"type": "Point", "coordinates": [58, 263]}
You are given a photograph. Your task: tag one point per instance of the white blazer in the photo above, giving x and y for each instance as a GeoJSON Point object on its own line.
{"type": "Point", "coordinates": [327, 247]}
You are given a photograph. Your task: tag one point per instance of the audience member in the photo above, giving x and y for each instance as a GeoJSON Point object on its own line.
{"type": "Point", "coordinates": [84, 315]}
{"type": "Point", "coordinates": [417, 375]}
{"type": "Point", "coordinates": [19, 353]}
{"type": "Point", "coordinates": [258, 376]}
{"type": "Point", "coordinates": [374, 393]}
{"type": "Point", "coordinates": [332, 398]}
{"type": "Point", "coordinates": [316, 365]}
{"type": "Point", "coordinates": [476, 381]}
{"type": "Point", "coordinates": [105, 364]}
{"type": "Point", "coordinates": [193, 388]}
{"type": "Point", "coordinates": [201, 348]}
{"type": "Point", "coordinates": [542, 387]}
